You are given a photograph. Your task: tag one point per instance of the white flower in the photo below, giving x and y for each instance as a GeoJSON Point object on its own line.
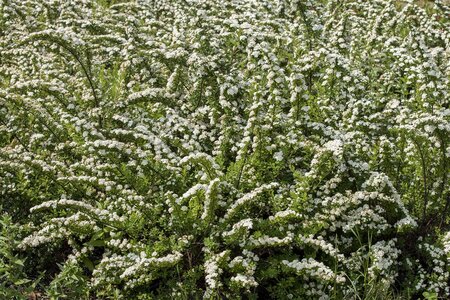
{"type": "Point", "coordinates": [278, 156]}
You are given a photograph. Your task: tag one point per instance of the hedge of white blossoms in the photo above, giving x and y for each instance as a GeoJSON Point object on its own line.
{"type": "Point", "coordinates": [214, 149]}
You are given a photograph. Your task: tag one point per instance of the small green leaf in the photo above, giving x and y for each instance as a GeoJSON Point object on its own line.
{"type": "Point", "coordinates": [97, 243]}
{"type": "Point", "coordinates": [21, 281]}
{"type": "Point", "coordinates": [430, 296]}
{"type": "Point", "coordinates": [18, 262]}
{"type": "Point", "coordinates": [88, 263]}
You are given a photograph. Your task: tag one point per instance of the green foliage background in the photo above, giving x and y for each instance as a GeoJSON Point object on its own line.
{"type": "Point", "coordinates": [224, 149]}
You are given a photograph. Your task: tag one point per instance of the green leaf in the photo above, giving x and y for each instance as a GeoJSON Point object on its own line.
{"type": "Point", "coordinates": [430, 296]}
{"type": "Point", "coordinates": [18, 262]}
{"type": "Point", "coordinates": [96, 243]}
{"type": "Point", "coordinates": [88, 263]}
{"type": "Point", "coordinates": [21, 281]}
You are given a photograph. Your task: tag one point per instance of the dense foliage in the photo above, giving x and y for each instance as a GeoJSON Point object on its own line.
{"type": "Point", "coordinates": [192, 149]}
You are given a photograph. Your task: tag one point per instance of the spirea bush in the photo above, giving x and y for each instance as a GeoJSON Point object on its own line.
{"type": "Point", "coordinates": [193, 149]}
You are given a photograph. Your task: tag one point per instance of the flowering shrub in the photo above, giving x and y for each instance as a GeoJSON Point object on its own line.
{"type": "Point", "coordinates": [225, 149]}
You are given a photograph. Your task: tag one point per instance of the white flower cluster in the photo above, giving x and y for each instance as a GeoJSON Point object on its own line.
{"type": "Point", "coordinates": [311, 268]}
{"type": "Point", "coordinates": [213, 271]}
{"type": "Point", "coordinates": [269, 241]}
{"type": "Point", "coordinates": [446, 242]}
{"type": "Point", "coordinates": [247, 198]}
{"type": "Point", "coordinates": [321, 244]}
{"type": "Point", "coordinates": [434, 275]}
{"type": "Point", "coordinates": [245, 224]}
{"type": "Point", "coordinates": [143, 262]}
{"type": "Point", "coordinates": [247, 265]}
{"type": "Point", "coordinates": [384, 256]}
